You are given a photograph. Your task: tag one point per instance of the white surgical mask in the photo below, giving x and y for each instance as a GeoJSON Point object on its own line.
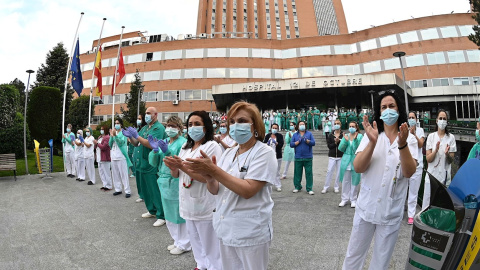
{"type": "Point", "coordinates": [442, 124]}
{"type": "Point", "coordinates": [101, 131]}
{"type": "Point", "coordinates": [196, 133]}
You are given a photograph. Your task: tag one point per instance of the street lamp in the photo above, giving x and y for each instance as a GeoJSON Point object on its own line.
{"type": "Point", "coordinates": [399, 55]}
{"type": "Point", "coordinates": [25, 122]}
{"type": "Point", "coordinates": [475, 83]}
{"type": "Point", "coordinates": [371, 92]}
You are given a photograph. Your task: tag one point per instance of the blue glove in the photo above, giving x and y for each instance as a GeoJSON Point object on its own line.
{"type": "Point", "coordinates": [163, 146]}
{"type": "Point", "coordinates": [72, 137]}
{"type": "Point", "coordinates": [126, 133]}
{"type": "Point", "coordinates": [154, 143]}
{"type": "Point", "coordinates": [133, 132]}
{"type": "Point", "coordinates": [81, 139]}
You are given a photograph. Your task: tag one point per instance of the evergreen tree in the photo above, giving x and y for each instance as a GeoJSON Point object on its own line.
{"type": "Point", "coordinates": [78, 113]}
{"type": "Point", "coordinates": [475, 37]}
{"type": "Point", "coordinates": [136, 89]}
{"type": "Point", "coordinates": [20, 86]}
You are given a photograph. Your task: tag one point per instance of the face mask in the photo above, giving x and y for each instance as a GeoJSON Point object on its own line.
{"type": "Point", "coordinates": [88, 133]}
{"type": "Point", "coordinates": [352, 130]}
{"type": "Point", "coordinates": [214, 125]}
{"type": "Point", "coordinates": [412, 122]}
{"type": "Point", "coordinates": [102, 132]}
{"type": "Point", "coordinates": [139, 122]}
{"type": "Point", "coordinates": [78, 135]}
{"type": "Point", "coordinates": [301, 127]}
{"type": "Point", "coordinates": [241, 133]}
{"type": "Point", "coordinates": [293, 111]}
{"type": "Point", "coordinates": [389, 116]}
{"type": "Point", "coordinates": [117, 126]}
{"type": "Point", "coordinates": [196, 133]}
{"type": "Point", "coordinates": [336, 127]}
{"type": "Point", "coordinates": [477, 135]}
{"type": "Point", "coordinates": [68, 130]}
{"type": "Point", "coordinates": [184, 130]}
{"type": "Point", "coordinates": [223, 130]}
{"type": "Point", "coordinates": [148, 118]}
{"type": "Point", "coordinates": [292, 127]}
{"type": "Point", "coordinates": [274, 130]}
{"type": "Point", "coordinates": [171, 132]}
{"type": "Point", "coordinates": [442, 124]}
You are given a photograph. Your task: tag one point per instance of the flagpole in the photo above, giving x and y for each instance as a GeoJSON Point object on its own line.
{"type": "Point", "coordinates": [66, 83]}
{"type": "Point", "coordinates": [114, 79]}
{"type": "Point", "coordinates": [93, 74]}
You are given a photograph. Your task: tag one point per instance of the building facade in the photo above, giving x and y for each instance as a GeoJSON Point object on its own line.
{"type": "Point", "coordinates": [270, 19]}
{"type": "Point", "coordinates": [441, 69]}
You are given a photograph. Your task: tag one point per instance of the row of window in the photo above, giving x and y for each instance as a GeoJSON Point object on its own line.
{"type": "Point", "coordinates": [444, 82]}
{"type": "Point", "coordinates": [163, 116]}
{"type": "Point", "coordinates": [435, 58]}
{"type": "Point", "coordinates": [394, 39]}
{"type": "Point", "coordinates": [166, 95]}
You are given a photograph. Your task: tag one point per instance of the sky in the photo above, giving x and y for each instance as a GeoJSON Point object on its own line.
{"type": "Point", "coordinates": [31, 28]}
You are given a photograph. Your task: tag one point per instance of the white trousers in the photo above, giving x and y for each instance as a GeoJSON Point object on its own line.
{"type": "Point", "coordinates": [179, 234]}
{"type": "Point", "coordinates": [105, 173]}
{"type": "Point", "coordinates": [81, 168]}
{"type": "Point", "coordinates": [349, 191]}
{"type": "Point", "coordinates": [426, 193]}
{"type": "Point", "coordinates": [205, 244]}
{"type": "Point", "coordinates": [245, 258]}
{"type": "Point", "coordinates": [120, 175]}
{"type": "Point", "coordinates": [413, 186]}
{"type": "Point", "coordinates": [285, 170]}
{"type": "Point", "coordinates": [360, 239]}
{"type": "Point", "coordinates": [333, 164]}
{"type": "Point", "coordinates": [279, 162]}
{"type": "Point", "coordinates": [90, 168]}
{"type": "Point", "coordinates": [70, 162]}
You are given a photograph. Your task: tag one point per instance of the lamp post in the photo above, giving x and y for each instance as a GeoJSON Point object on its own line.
{"type": "Point", "coordinates": [371, 92]}
{"type": "Point", "coordinates": [399, 55]}
{"type": "Point", "coordinates": [475, 83]}
{"type": "Point", "coordinates": [25, 121]}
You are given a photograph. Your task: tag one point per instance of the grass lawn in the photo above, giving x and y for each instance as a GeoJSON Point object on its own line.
{"type": "Point", "coordinates": [32, 168]}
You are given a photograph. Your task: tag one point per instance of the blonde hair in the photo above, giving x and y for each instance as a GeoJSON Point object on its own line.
{"type": "Point", "coordinates": [176, 120]}
{"type": "Point", "coordinates": [254, 112]}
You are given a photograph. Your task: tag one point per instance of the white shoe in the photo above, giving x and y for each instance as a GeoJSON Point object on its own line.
{"type": "Point", "coordinates": [311, 192]}
{"type": "Point", "coordinates": [177, 251]}
{"type": "Point", "coordinates": [279, 189]}
{"type": "Point", "coordinates": [353, 204]}
{"type": "Point", "coordinates": [342, 203]}
{"type": "Point", "coordinates": [159, 223]}
{"type": "Point", "coordinates": [147, 215]}
{"type": "Point", "coordinates": [336, 190]}
{"type": "Point", "coordinates": [139, 200]}
{"type": "Point", "coordinates": [131, 176]}
{"type": "Point", "coordinates": [324, 191]}
{"type": "Point", "coordinates": [295, 191]}
{"type": "Point", "coordinates": [171, 247]}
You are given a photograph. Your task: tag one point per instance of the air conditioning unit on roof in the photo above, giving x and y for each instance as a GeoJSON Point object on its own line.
{"type": "Point", "coordinates": [188, 36]}
{"type": "Point", "coordinates": [175, 102]}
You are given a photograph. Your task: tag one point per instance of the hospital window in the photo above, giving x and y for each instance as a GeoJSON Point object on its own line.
{"type": "Point", "coordinates": [436, 58]}
{"type": "Point", "coordinates": [440, 82]}
{"type": "Point", "coordinates": [460, 81]}
{"type": "Point", "coordinates": [473, 55]}
{"type": "Point", "coordinates": [388, 40]}
{"type": "Point", "coordinates": [418, 84]}
{"type": "Point", "coordinates": [176, 54]}
{"type": "Point", "coordinates": [415, 60]}
{"type": "Point", "coordinates": [449, 31]}
{"type": "Point", "coordinates": [456, 56]}
{"type": "Point", "coordinates": [193, 94]}
{"type": "Point", "coordinates": [392, 63]}
{"type": "Point", "coordinates": [194, 53]}
{"type": "Point", "coordinates": [409, 37]}
{"type": "Point", "coordinates": [430, 33]}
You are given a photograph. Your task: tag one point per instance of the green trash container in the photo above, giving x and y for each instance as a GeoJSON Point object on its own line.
{"type": "Point", "coordinates": [432, 236]}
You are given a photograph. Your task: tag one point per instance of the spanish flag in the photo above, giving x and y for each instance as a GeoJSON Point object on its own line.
{"type": "Point", "coordinates": [98, 73]}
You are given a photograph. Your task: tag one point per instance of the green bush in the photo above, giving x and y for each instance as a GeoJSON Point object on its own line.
{"type": "Point", "coordinates": [11, 139]}
{"type": "Point", "coordinates": [44, 114]}
{"type": "Point", "coordinates": [9, 100]}
{"type": "Point", "coordinates": [78, 112]}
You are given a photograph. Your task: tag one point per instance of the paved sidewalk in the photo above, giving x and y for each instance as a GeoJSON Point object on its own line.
{"type": "Point", "coordinates": [59, 223]}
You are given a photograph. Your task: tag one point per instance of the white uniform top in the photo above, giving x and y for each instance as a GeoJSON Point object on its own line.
{"type": "Point", "coordinates": [78, 150]}
{"type": "Point", "coordinates": [420, 134]}
{"type": "Point", "coordinates": [68, 147]}
{"type": "Point", "coordinates": [115, 152]}
{"type": "Point", "coordinates": [98, 150]}
{"type": "Point", "coordinates": [196, 202]}
{"type": "Point", "coordinates": [381, 201]}
{"type": "Point", "coordinates": [228, 141]}
{"type": "Point", "coordinates": [240, 222]}
{"type": "Point", "coordinates": [440, 167]}
{"type": "Point", "coordinates": [88, 151]}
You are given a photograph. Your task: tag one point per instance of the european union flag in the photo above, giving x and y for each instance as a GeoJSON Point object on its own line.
{"type": "Point", "coordinates": [77, 82]}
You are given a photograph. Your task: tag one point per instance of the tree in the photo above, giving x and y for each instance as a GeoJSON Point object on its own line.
{"type": "Point", "coordinates": [9, 99]}
{"type": "Point", "coordinates": [475, 37]}
{"type": "Point", "coordinates": [11, 138]}
{"type": "Point", "coordinates": [136, 89]}
{"type": "Point", "coordinates": [43, 115]}
{"type": "Point", "coordinates": [20, 86]}
{"type": "Point", "coordinates": [78, 113]}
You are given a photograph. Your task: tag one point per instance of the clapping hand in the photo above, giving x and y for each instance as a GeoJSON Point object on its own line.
{"type": "Point", "coordinates": [413, 129]}
{"type": "Point", "coordinates": [202, 165]}
{"type": "Point", "coordinates": [174, 163]}
{"type": "Point", "coordinates": [447, 149]}
{"type": "Point", "coordinates": [438, 146]}
{"type": "Point", "coordinates": [81, 139]}
{"type": "Point", "coordinates": [72, 137]}
{"type": "Point", "coordinates": [371, 131]}
{"type": "Point", "coordinates": [403, 135]}
{"type": "Point", "coordinates": [154, 143]}
{"type": "Point", "coordinates": [133, 132]}
{"type": "Point", "coordinates": [126, 133]}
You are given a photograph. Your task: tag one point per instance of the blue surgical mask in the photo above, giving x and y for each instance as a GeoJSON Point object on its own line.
{"type": "Point", "coordinates": [117, 126]}
{"type": "Point", "coordinates": [171, 132]}
{"type": "Point", "coordinates": [196, 133]}
{"type": "Point", "coordinates": [477, 135]}
{"type": "Point", "coordinates": [87, 133]}
{"type": "Point", "coordinates": [223, 130]}
{"type": "Point", "coordinates": [102, 132]}
{"type": "Point", "coordinates": [336, 127]}
{"type": "Point", "coordinates": [352, 130]}
{"type": "Point", "coordinates": [292, 128]}
{"type": "Point", "coordinates": [241, 132]}
{"type": "Point", "coordinates": [148, 118]}
{"type": "Point", "coordinates": [214, 125]}
{"type": "Point", "coordinates": [184, 130]}
{"type": "Point", "coordinates": [389, 116]}
{"type": "Point", "coordinates": [139, 122]}
{"type": "Point", "coordinates": [274, 130]}
{"type": "Point", "coordinates": [68, 130]}
{"type": "Point", "coordinates": [301, 127]}
{"type": "Point", "coordinates": [412, 122]}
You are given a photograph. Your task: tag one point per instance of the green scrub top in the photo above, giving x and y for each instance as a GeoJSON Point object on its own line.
{"type": "Point", "coordinates": [157, 131]}
{"type": "Point", "coordinates": [474, 152]}
{"type": "Point", "coordinates": [348, 157]}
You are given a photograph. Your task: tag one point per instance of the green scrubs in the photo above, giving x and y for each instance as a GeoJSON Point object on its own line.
{"type": "Point", "coordinates": [348, 157]}
{"type": "Point", "coordinates": [147, 174]}
{"type": "Point", "coordinates": [301, 163]}
{"type": "Point", "coordinates": [360, 120]}
{"type": "Point", "coordinates": [310, 119]}
{"type": "Point", "coordinates": [303, 116]}
{"type": "Point", "coordinates": [474, 152]}
{"type": "Point", "coordinates": [316, 119]}
{"type": "Point", "coordinates": [168, 185]}
{"type": "Point", "coordinates": [343, 119]}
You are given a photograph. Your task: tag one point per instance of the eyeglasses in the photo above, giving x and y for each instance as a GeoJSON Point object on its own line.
{"type": "Point", "coordinates": [391, 91]}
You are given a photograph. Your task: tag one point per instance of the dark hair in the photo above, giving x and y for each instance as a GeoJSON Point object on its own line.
{"type": "Point", "coordinates": [301, 121]}
{"type": "Point", "coordinates": [356, 125]}
{"type": "Point", "coordinates": [105, 130]}
{"type": "Point", "coordinates": [119, 120]}
{"type": "Point", "coordinates": [143, 120]}
{"type": "Point", "coordinates": [207, 123]}
{"type": "Point", "coordinates": [275, 124]}
{"type": "Point", "coordinates": [436, 124]}
{"type": "Point", "coordinates": [402, 114]}
{"type": "Point", "coordinates": [414, 113]}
